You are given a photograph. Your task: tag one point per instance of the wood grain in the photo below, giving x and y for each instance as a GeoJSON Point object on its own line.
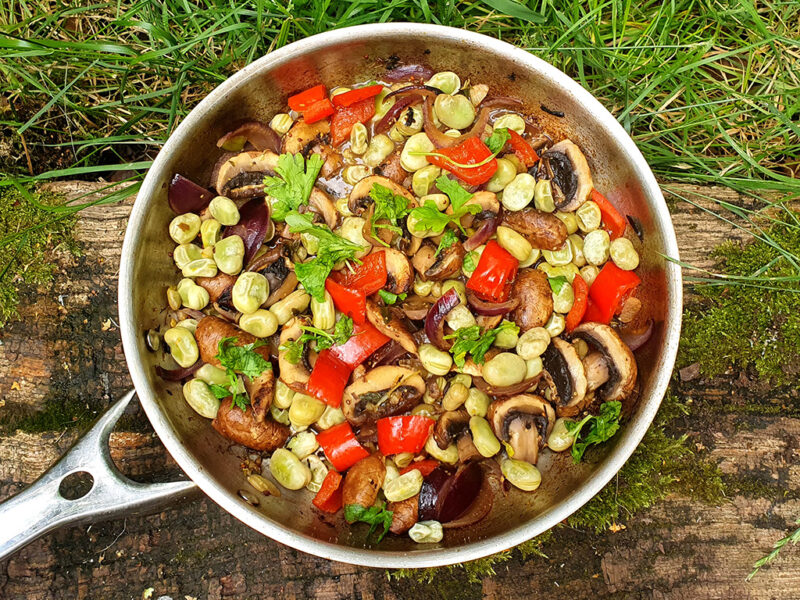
{"type": "Point", "coordinates": [66, 349]}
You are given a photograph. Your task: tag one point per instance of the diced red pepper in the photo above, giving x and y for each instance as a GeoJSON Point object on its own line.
{"type": "Point", "coordinates": [581, 293]}
{"type": "Point", "coordinates": [334, 365]}
{"type": "Point", "coordinates": [346, 116]}
{"type": "Point", "coordinates": [522, 149]}
{"type": "Point", "coordinates": [341, 446]}
{"type": "Point", "coordinates": [471, 152]}
{"type": "Point", "coordinates": [492, 278]}
{"type": "Point", "coordinates": [329, 496]}
{"type": "Point", "coordinates": [318, 111]}
{"type": "Point", "coordinates": [423, 466]}
{"type": "Point", "coordinates": [305, 99]}
{"type": "Point", "coordinates": [369, 276]}
{"type": "Point", "coordinates": [357, 95]}
{"type": "Point", "coordinates": [364, 341]}
{"type": "Point", "coordinates": [608, 293]}
{"type": "Point", "coordinates": [352, 302]}
{"type": "Point", "coordinates": [613, 221]}
{"type": "Point", "coordinates": [404, 433]}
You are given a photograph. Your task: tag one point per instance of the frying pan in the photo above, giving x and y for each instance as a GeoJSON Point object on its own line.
{"type": "Point", "coordinates": [256, 92]}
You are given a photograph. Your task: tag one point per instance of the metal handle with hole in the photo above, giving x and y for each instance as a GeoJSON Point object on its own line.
{"type": "Point", "coordinates": [42, 508]}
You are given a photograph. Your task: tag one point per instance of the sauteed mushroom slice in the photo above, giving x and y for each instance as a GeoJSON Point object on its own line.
{"type": "Point", "coordinates": [524, 421]}
{"type": "Point", "coordinates": [359, 200]}
{"type": "Point", "coordinates": [436, 268]}
{"type": "Point", "coordinates": [565, 166]}
{"type": "Point", "coordinates": [382, 392]}
{"type": "Point", "coordinates": [562, 363]}
{"type": "Point", "coordinates": [391, 322]}
{"type": "Point", "coordinates": [532, 290]}
{"type": "Point", "coordinates": [302, 136]}
{"type": "Point", "coordinates": [542, 230]}
{"type": "Point", "coordinates": [450, 426]}
{"type": "Point", "coordinates": [242, 427]}
{"type": "Point", "coordinates": [242, 176]}
{"type": "Point", "coordinates": [293, 375]}
{"type": "Point", "coordinates": [210, 332]}
{"type": "Point", "coordinates": [363, 480]}
{"type": "Point", "coordinates": [259, 134]}
{"type": "Point", "coordinates": [620, 365]}
{"type": "Point", "coordinates": [321, 203]}
{"type": "Point", "coordinates": [490, 207]}
{"type": "Point", "coordinates": [219, 289]}
{"type": "Point", "coordinates": [405, 514]}
{"type": "Point", "coordinates": [392, 169]}
{"type": "Point", "coordinates": [400, 274]}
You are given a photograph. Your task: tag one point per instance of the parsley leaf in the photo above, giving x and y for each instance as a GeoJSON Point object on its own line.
{"type": "Point", "coordinates": [448, 239]}
{"type": "Point", "coordinates": [470, 340]}
{"type": "Point", "coordinates": [469, 261]}
{"type": "Point", "coordinates": [239, 359]}
{"type": "Point", "coordinates": [390, 298]}
{"type": "Point", "coordinates": [557, 283]}
{"type": "Point", "coordinates": [432, 219]}
{"type": "Point", "coordinates": [602, 428]}
{"type": "Point", "coordinates": [219, 391]}
{"type": "Point", "coordinates": [342, 331]}
{"type": "Point", "coordinates": [374, 516]}
{"type": "Point", "coordinates": [388, 206]}
{"type": "Point", "coordinates": [497, 141]}
{"type": "Point", "coordinates": [294, 184]}
{"type": "Point", "coordinates": [332, 249]}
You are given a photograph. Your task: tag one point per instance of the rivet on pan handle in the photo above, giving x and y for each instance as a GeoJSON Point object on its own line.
{"type": "Point", "coordinates": [41, 508]}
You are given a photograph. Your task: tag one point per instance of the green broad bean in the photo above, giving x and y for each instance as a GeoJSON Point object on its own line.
{"type": "Point", "coordinates": [224, 210]}
{"type": "Point", "coordinates": [543, 196]}
{"type": "Point", "coordinates": [446, 81]}
{"type": "Point", "coordinates": [560, 257]}
{"type": "Point", "coordinates": [288, 470]}
{"type": "Point", "coordinates": [261, 323]}
{"type": "Point", "coordinates": [211, 374]}
{"type": "Point", "coordinates": [483, 437]}
{"type": "Point", "coordinates": [510, 121]}
{"type": "Point", "coordinates": [202, 267]}
{"type": "Point", "coordinates": [249, 292]}
{"type": "Point", "coordinates": [533, 343]}
{"type": "Point", "coordinates": [434, 360]}
{"type": "Point", "coordinates": [359, 139]}
{"type": "Point", "coordinates": [624, 254]}
{"type": "Point", "coordinates": [186, 253]}
{"type": "Point", "coordinates": [184, 228]}
{"type": "Point", "coordinates": [521, 474]}
{"type": "Point", "coordinates": [295, 303]}
{"type": "Point", "coordinates": [514, 243]}
{"type": "Point", "coordinates": [505, 174]}
{"type": "Point", "coordinates": [409, 159]}
{"type": "Point", "coordinates": [589, 216]}
{"type": "Point", "coordinates": [519, 193]}
{"type": "Point", "coordinates": [200, 397]}
{"type": "Point", "coordinates": [229, 254]}
{"type": "Point", "coordinates": [281, 123]}
{"type": "Point", "coordinates": [355, 173]}
{"type": "Point", "coordinates": [182, 346]}
{"type": "Point", "coordinates": [477, 403]}
{"type": "Point", "coordinates": [210, 232]}
{"type": "Point", "coordinates": [504, 369]}
{"type": "Point", "coordinates": [303, 443]}
{"type": "Point", "coordinates": [454, 111]}
{"type": "Point", "coordinates": [596, 247]}
{"type": "Point", "coordinates": [192, 295]}
{"type": "Point", "coordinates": [379, 148]}
{"type": "Point", "coordinates": [423, 179]}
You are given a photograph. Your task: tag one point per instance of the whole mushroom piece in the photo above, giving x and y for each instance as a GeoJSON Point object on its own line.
{"type": "Point", "coordinates": [567, 377]}
{"type": "Point", "coordinates": [453, 427]}
{"type": "Point", "coordinates": [524, 422]}
{"type": "Point", "coordinates": [611, 369]}
{"type": "Point", "coordinates": [433, 267]}
{"type": "Point", "coordinates": [565, 166]}
{"type": "Point", "coordinates": [382, 392]}
{"type": "Point", "coordinates": [242, 176]}
{"type": "Point", "coordinates": [534, 299]}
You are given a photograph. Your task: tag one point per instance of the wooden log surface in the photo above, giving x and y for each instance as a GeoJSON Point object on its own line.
{"type": "Point", "coordinates": [65, 352]}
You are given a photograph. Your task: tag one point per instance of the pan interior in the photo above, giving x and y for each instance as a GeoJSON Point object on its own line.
{"type": "Point", "coordinates": [360, 54]}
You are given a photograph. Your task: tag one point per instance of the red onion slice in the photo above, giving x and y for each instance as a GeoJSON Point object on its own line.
{"type": "Point", "coordinates": [177, 374]}
{"type": "Point", "coordinates": [262, 136]}
{"type": "Point", "coordinates": [186, 196]}
{"type": "Point", "coordinates": [490, 309]}
{"type": "Point", "coordinates": [391, 115]}
{"type": "Point", "coordinates": [459, 492]}
{"type": "Point", "coordinates": [252, 226]}
{"type": "Point", "coordinates": [403, 72]}
{"type": "Point", "coordinates": [432, 487]}
{"type": "Point", "coordinates": [484, 232]}
{"type": "Point", "coordinates": [637, 338]}
{"type": "Point", "coordinates": [434, 322]}
{"type": "Point", "coordinates": [481, 505]}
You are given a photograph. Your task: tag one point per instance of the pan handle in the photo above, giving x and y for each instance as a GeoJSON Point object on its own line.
{"type": "Point", "coordinates": [42, 508]}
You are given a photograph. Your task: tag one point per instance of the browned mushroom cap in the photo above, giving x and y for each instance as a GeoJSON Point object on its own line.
{"type": "Point", "coordinates": [321, 203]}
{"type": "Point", "coordinates": [532, 291]}
{"type": "Point", "coordinates": [450, 426]}
{"type": "Point", "coordinates": [242, 427]}
{"type": "Point", "coordinates": [564, 366]}
{"type": "Point", "coordinates": [400, 274]}
{"type": "Point", "coordinates": [436, 268]}
{"type": "Point", "coordinates": [391, 322]}
{"type": "Point", "coordinates": [542, 230]}
{"type": "Point", "coordinates": [359, 199]}
{"type": "Point", "coordinates": [524, 421]}
{"type": "Point", "coordinates": [382, 392]}
{"type": "Point", "coordinates": [275, 267]}
{"type": "Point", "coordinates": [405, 514]}
{"type": "Point", "coordinates": [260, 135]}
{"type": "Point", "coordinates": [219, 288]}
{"type": "Point", "coordinates": [488, 202]}
{"type": "Point", "coordinates": [392, 168]}
{"type": "Point", "coordinates": [565, 166]}
{"type": "Point", "coordinates": [302, 136]}
{"type": "Point", "coordinates": [242, 176]}
{"type": "Point", "coordinates": [416, 307]}
{"type": "Point", "coordinates": [295, 375]}
{"type": "Point", "coordinates": [621, 364]}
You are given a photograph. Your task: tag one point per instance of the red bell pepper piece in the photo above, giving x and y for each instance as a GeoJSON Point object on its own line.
{"type": "Point", "coordinates": [471, 152]}
{"type": "Point", "coordinates": [352, 302]}
{"type": "Point", "coordinates": [341, 446]}
{"type": "Point", "coordinates": [423, 466]}
{"type": "Point", "coordinates": [329, 496]}
{"type": "Point", "coordinates": [492, 278]}
{"type": "Point", "coordinates": [608, 293]}
{"type": "Point", "coordinates": [581, 292]}
{"type": "Point", "coordinates": [369, 276]}
{"type": "Point", "coordinates": [405, 433]}
{"type": "Point", "coordinates": [346, 116]}
{"type": "Point", "coordinates": [318, 111]}
{"type": "Point", "coordinates": [364, 341]}
{"type": "Point", "coordinates": [522, 149]}
{"type": "Point", "coordinates": [613, 221]}
{"type": "Point", "coordinates": [305, 99]}
{"type": "Point", "coordinates": [357, 95]}
{"type": "Point", "coordinates": [334, 365]}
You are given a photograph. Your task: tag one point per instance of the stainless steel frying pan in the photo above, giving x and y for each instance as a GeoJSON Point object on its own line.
{"type": "Point", "coordinates": [256, 92]}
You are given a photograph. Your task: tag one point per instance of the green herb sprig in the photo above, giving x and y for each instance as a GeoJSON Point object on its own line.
{"type": "Point", "coordinates": [292, 187]}
{"type": "Point", "coordinates": [342, 331]}
{"type": "Point", "coordinates": [429, 217]}
{"type": "Point", "coordinates": [601, 428]}
{"type": "Point", "coordinates": [374, 516]}
{"type": "Point", "coordinates": [470, 340]}
{"type": "Point", "coordinates": [389, 207]}
{"type": "Point", "coordinates": [238, 360]}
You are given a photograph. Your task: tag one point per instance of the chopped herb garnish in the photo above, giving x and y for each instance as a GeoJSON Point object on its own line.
{"type": "Point", "coordinates": [342, 331]}
{"type": "Point", "coordinates": [332, 249]}
{"type": "Point", "coordinates": [390, 298]}
{"type": "Point", "coordinates": [448, 239]}
{"type": "Point", "coordinates": [470, 340]}
{"type": "Point", "coordinates": [497, 141]}
{"type": "Point", "coordinates": [469, 261]}
{"type": "Point", "coordinates": [388, 206]}
{"type": "Point", "coordinates": [374, 516]}
{"type": "Point", "coordinates": [294, 184]}
{"type": "Point", "coordinates": [429, 217]}
{"type": "Point", "coordinates": [557, 283]}
{"type": "Point", "coordinates": [602, 428]}
{"type": "Point", "coordinates": [239, 360]}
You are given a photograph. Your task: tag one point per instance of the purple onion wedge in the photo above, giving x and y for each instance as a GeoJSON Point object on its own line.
{"type": "Point", "coordinates": [186, 196]}
{"type": "Point", "coordinates": [252, 226]}
{"type": "Point", "coordinates": [434, 322]}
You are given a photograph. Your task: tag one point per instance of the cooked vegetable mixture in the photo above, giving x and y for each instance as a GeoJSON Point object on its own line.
{"type": "Point", "coordinates": [403, 294]}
